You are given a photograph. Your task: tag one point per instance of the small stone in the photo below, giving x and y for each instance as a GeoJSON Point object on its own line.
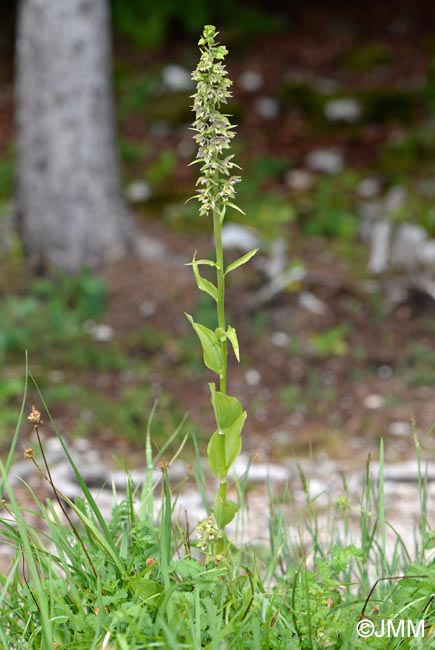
{"type": "Point", "coordinates": [427, 254]}
{"type": "Point", "coordinates": [277, 258]}
{"type": "Point", "coordinates": [299, 180]}
{"type": "Point", "coordinates": [241, 237]}
{"type": "Point", "coordinates": [267, 107]}
{"type": "Point", "coordinates": [407, 245]}
{"type": "Point", "coordinates": [385, 372]}
{"type": "Point", "coordinates": [185, 149]}
{"type": "Point", "coordinates": [252, 377]}
{"type": "Point", "coordinates": [282, 437]}
{"type": "Point", "coordinates": [260, 472]}
{"type": "Point", "coordinates": [400, 429]}
{"type": "Point", "coordinates": [147, 308]}
{"type": "Point", "coordinates": [311, 303]}
{"type": "Point", "coordinates": [326, 161]}
{"type": "Point", "coordinates": [380, 246]}
{"type": "Point", "coordinates": [138, 191]}
{"type": "Point", "coordinates": [251, 81]}
{"type": "Point", "coordinates": [343, 110]}
{"type": "Point", "coordinates": [369, 187]}
{"type": "Point", "coordinates": [99, 332]}
{"type": "Point", "coordinates": [160, 129]}
{"type": "Point", "coordinates": [395, 199]}
{"type": "Point", "coordinates": [280, 339]}
{"type": "Point", "coordinates": [176, 78]}
{"type": "Point", "coordinates": [374, 402]}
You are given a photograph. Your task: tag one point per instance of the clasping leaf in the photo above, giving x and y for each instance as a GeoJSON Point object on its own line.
{"type": "Point", "coordinates": [210, 346]}
{"type": "Point", "coordinates": [202, 283]}
{"type": "Point", "coordinates": [224, 511]}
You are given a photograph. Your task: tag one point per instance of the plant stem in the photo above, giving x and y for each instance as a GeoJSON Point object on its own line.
{"type": "Point", "coordinates": [217, 227]}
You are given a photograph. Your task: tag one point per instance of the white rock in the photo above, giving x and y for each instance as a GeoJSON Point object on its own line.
{"type": "Point", "coordinates": [241, 237]}
{"type": "Point", "coordinates": [282, 437]}
{"type": "Point", "coordinates": [385, 372]}
{"type": "Point", "coordinates": [299, 180]}
{"type": "Point", "coordinates": [327, 161]}
{"type": "Point", "coordinates": [99, 332]}
{"type": "Point", "coordinates": [267, 107]}
{"type": "Point", "coordinates": [186, 149]}
{"type": "Point", "coordinates": [147, 308]}
{"type": "Point", "coordinates": [138, 191]}
{"type": "Point", "coordinates": [251, 81]}
{"type": "Point", "coordinates": [280, 339]}
{"type": "Point", "coordinates": [260, 472]}
{"type": "Point", "coordinates": [374, 402]}
{"type": "Point", "coordinates": [343, 110]}
{"type": "Point", "coordinates": [400, 429]}
{"type": "Point", "coordinates": [427, 254]}
{"type": "Point", "coordinates": [395, 199]}
{"type": "Point", "coordinates": [407, 245]}
{"type": "Point", "coordinates": [369, 187]}
{"type": "Point", "coordinates": [406, 471]}
{"type": "Point", "coordinates": [380, 246]}
{"type": "Point", "coordinates": [277, 258]}
{"type": "Point", "coordinates": [160, 129]}
{"type": "Point", "coordinates": [252, 377]}
{"type": "Point", "coordinates": [176, 78]}
{"type": "Point", "coordinates": [311, 303]}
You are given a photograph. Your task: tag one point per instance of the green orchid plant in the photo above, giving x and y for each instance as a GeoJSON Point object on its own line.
{"type": "Point", "coordinates": [216, 193]}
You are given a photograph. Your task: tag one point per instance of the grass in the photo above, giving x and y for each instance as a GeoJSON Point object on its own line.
{"type": "Point", "coordinates": [142, 580]}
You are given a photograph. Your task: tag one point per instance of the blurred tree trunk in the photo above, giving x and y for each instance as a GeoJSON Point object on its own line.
{"type": "Point", "coordinates": [69, 203]}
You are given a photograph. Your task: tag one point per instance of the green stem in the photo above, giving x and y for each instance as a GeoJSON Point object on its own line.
{"type": "Point", "coordinates": [217, 227]}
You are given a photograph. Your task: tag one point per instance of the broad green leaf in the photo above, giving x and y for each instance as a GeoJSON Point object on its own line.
{"type": "Point", "coordinates": [232, 337]}
{"type": "Point", "coordinates": [240, 261]}
{"type": "Point", "coordinates": [148, 590]}
{"type": "Point", "coordinates": [224, 511]}
{"type": "Point", "coordinates": [210, 346]}
{"type": "Point", "coordinates": [226, 409]}
{"type": "Point", "coordinates": [233, 447]}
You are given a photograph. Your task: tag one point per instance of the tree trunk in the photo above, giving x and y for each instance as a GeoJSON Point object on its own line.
{"type": "Point", "coordinates": [69, 201]}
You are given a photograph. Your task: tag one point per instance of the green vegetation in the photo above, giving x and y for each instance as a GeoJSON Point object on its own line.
{"type": "Point", "coordinates": [144, 580]}
{"type": "Point", "coordinates": [135, 582]}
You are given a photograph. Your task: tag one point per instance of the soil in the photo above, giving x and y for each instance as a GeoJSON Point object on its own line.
{"type": "Point", "coordinates": [344, 401]}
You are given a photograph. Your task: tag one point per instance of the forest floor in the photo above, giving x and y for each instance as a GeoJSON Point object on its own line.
{"type": "Point", "coordinates": [336, 360]}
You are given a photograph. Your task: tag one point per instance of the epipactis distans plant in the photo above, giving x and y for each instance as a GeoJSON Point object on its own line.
{"type": "Point", "coordinates": [216, 192]}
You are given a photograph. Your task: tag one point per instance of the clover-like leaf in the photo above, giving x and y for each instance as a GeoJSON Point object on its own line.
{"type": "Point", "coordinates": [210, 346]}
